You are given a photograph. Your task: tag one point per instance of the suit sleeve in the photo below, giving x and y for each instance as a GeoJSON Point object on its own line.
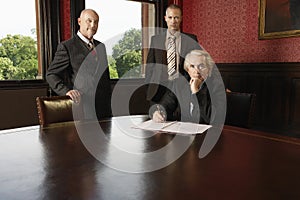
{"type": "Point", "coordinates": [169, 102]}
{"type": "Point", "coordinates": [204, 103]}
{"type": "Point", "coordinates": [56, 71]}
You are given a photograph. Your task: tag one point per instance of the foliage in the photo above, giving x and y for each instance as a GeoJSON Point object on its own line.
{"type": "Point", "coordinates": [112, 68]}
{"type": "Point", "coordinates": [19, 61]}
{"type": "Point", "coordinates": [128, 55]}
{"type": "Point", "coordinates": [18, 58]}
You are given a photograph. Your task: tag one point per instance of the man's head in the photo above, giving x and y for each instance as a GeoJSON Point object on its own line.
{"type": "Point", "coordinates": [198, 63]}
{"type": "Point", "coordinates": [88, 22]}
{"type": "Point", "coordinates": [173, 17]}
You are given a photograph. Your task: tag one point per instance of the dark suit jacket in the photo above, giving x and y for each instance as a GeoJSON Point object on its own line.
{"type": "Point", "coordinates": [74, 67]}
{"type": "Point", "coordinates": [181, 99]}
{"type": "Point", "coordinates": [209, 104]}
{"type": "Point", "coordinates": [156, 68]}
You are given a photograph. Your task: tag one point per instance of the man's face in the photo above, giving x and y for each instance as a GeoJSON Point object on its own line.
{"type": "Point", "coordinates": [197, 68]}
{"type": "Point", "coordinates": [173, 19]}
{"type": "Point", "coordinates": [88, 23]}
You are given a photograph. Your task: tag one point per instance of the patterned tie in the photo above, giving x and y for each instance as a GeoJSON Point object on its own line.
{"type": "Point", "coordinates": [91, 45]}
{"type": "Point", "coordinates": [171, 56]}
{"type": "Point", "coordinates": [92, 48]}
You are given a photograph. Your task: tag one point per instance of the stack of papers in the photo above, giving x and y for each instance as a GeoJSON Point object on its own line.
{"type": "Point", "coordinates": [173, 127]}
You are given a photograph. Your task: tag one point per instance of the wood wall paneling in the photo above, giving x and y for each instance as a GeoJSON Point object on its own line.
{"type": "Point", "coordinates": [275, 112]}
{"type": "Point", "coordinates": [129, 97]}
{"type": "Point", "coordinates": [277, 89]}
{"type": "Point", "coordinates": [294, 103]}
{"type": "Point", "coordinates": [18, 107]}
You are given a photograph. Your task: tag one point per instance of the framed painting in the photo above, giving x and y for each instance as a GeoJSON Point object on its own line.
{"type": "Point", "coordinates": [279, 18]}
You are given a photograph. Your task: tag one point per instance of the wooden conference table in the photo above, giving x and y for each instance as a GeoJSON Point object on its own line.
{"type": "Point", "coordinates": [53, 163]}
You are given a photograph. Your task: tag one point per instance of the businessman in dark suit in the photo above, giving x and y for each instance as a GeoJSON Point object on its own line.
{"type": "Point", "coordinates": [80, 69]}
{"type": "Point", "coordinates": [157, 75]}
{"type": "Point", "coordinates": [191, 95]}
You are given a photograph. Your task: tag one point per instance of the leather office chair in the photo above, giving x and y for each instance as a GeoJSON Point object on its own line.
{"type": "Point", "coordinates": [54, 109]}
{"type": "Point", "coordinates": [240, 109]}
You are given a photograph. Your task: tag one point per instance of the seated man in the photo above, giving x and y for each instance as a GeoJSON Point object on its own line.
{"type": "Point", "coordinates": [191, 97]}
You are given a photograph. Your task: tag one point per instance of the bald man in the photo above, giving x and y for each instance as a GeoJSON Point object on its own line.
{"type": "Point", "coordinates": [87, 56]}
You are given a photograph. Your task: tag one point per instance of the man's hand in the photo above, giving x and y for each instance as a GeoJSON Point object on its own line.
{"type": "Point", "coordinates": [75, 95]}
{"type": "Point", "coordinates": [195, 84]}
{"type": "Point", "coordinates": [158, 116]}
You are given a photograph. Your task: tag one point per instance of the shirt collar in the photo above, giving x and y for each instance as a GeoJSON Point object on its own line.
{"type": "Point", "coordinates": [84, 38]}
{"type": "Point", "coordinates": [176, 34]}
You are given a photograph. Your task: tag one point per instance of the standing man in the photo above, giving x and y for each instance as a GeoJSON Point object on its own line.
{"type": "Point", "coordinates": [163, 65]}
{"type": "Point", "coordinates": [80, 69]}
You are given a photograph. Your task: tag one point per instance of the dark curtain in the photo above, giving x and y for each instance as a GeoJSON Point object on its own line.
{"type": "Point", "coordinates": [76, 8]}
{"type": "Point", "coordinates": [49, 30]}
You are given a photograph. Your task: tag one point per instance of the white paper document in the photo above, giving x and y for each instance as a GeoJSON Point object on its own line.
{"type": "Point", "coordinates": [173, 127]}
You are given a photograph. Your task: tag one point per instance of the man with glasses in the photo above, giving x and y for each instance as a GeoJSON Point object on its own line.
{"type": "Point", "coordinates": [192, 96]}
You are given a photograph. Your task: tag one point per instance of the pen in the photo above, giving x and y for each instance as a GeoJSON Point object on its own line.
{"type": "Point", "coordinates": [169, 124]}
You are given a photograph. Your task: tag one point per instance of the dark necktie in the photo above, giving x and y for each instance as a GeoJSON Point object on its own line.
{"type": "Point", "coordinates": [91, 45]}
{"type": "Point", "coordinates": [92, 49]}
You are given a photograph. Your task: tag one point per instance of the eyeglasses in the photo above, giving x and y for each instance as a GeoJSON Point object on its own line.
{"type": "Point", "coordinates": [200, 66]}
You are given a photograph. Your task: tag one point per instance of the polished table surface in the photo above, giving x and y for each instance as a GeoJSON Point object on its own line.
{"type": "Point", "coordinates": [53, 163]}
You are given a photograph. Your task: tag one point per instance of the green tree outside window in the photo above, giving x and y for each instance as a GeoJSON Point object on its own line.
{"type": "Point", "coordinates": [18, 58]}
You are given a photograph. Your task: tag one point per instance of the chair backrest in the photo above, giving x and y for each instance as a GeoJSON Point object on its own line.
{"type": "Point", "coordinates": [240, 109]}
{"type": "Point", "coordinates": [54, 109]}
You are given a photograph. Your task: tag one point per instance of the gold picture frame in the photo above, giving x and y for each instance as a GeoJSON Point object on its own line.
{"type": "Point", "coordinates": [279, 18]}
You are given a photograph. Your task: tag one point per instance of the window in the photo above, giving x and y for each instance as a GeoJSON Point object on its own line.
{"type": "Point", "coordinates": [28, 42]}
{"type": "Point", "coordinates": [18, 41]}
{"type": "Point", "coordinates": [125, 27]}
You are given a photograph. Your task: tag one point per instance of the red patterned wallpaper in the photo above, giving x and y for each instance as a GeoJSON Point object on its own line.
{"type": "Point", "coordinates": [65, 22]}
{"type": "Point", "coordinates": [228, 30]}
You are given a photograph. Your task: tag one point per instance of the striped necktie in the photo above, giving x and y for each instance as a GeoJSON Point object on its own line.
{"type": "Point", "coordinates": [92, 49]}
{"type": "Point", "coordinates": [171, 56]}
{"type": "Point", "coordinates": [91, 45]}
